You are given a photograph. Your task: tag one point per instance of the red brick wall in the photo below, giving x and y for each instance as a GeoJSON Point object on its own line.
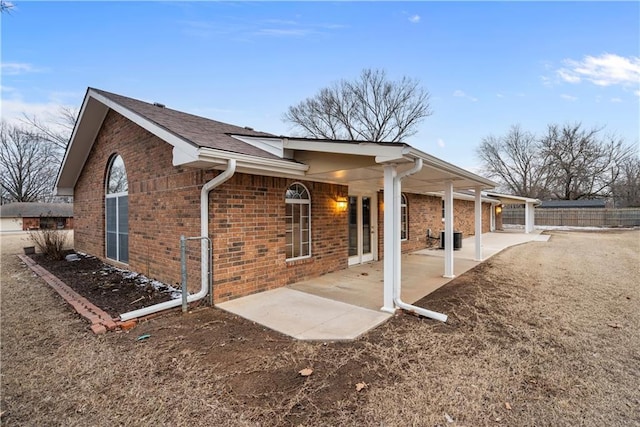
{"type": "Point", "coordinates": [246, 217]}
{"type": "Point", "coordinates": [426, 212]}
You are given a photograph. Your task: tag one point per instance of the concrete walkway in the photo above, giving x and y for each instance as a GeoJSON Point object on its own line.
{"type": "Point", "coordinates": [345, 304]}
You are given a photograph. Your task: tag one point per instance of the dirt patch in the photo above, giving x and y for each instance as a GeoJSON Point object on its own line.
{"type": "Point", "coordinates": [114, 290]}
{"type": "Point", "coordinates": [542, 334]}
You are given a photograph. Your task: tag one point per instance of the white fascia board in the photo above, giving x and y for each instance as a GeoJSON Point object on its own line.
{"type": "Point", "coordinates": [63, 191]}
{"type": "Point", "coordinates": [516, 198]}
{"type": "Point", "coordinates": [216, 157]}
{"type": "Point", "coordinates": [270, 145]}
{"type": "Point", "coordinates": [460, 196]}
{"type": "Point", "coordinates": [452, 169]}
{"type": "Point", "coordinates": [159, 131]}
{"type": "Point", "coordinates": [68, 148]}
{"type": "Point", "coordinates": [382, 153]}
{"type": "Point", "coordinates": [83, 133]}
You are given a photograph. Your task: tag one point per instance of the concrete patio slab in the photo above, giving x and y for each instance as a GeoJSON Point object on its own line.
{"type": "Point", "coordinates": [305, 316]}
{"type": "Point", "coordinates": [345, 304]}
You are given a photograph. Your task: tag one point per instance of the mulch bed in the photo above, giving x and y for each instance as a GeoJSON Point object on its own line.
{"type": "Point", "coordinates": [114, 290]}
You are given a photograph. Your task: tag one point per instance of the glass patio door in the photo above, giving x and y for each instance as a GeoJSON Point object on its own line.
{"type": "Point", "coordinates": [362, 222]}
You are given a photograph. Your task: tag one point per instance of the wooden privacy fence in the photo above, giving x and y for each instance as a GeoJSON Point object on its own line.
{"type": "Point", "coordinates": [577, 217]}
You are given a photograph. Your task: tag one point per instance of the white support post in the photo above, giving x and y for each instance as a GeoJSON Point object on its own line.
{"type": "Point", "coordinates": [529, 217]}
{"type": "Point", "coordinates": [478, 224]}
{"type": "Point", "coordinates": [397, 246]}
{"type": "Point", "coordinates": [448, 230]}
{"type": "Point", "coordinates": [389, 237]}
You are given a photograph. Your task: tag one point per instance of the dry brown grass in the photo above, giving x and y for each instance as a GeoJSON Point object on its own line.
{"type": "Point", "coordinates": [531, 328]}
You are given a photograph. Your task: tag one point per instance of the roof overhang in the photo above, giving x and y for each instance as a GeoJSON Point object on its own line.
{"type": "Point", "coordinates": [360, 165]}
{"type": "Point", "coordinates": [93, 111]}
{"type": "Point", "coordinates": [509, 199]}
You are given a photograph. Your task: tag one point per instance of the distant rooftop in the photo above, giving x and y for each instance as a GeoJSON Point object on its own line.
{"type": "Point", "coordinates": [584, 203]}
{"type": "Point", "coordinates": [34, 210]}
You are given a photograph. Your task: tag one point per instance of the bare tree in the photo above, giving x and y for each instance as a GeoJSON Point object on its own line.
{"type": "Point", "coordinates": [6, 6]}
{"type": "Point", "coordinates": [626, 189]}
{"type": "Point", "coordinates": [514, 160]}
{"type": "Point", "coordinates": [28, 165]}
{"type": "Point", "coordinates": [583, 164]}
{"type": "Point", "coordinates": [370, 108]}
{"type": "Point", "coordinates": [58, 129]}
{"type": "Point", "coordinates": [567, 163]}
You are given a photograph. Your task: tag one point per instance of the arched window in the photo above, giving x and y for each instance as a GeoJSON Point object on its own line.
{"type": "Point", "coordinates": [404, 218]}
{"type": "Point", "coordinates": [117, 211]}
{"type": "Point", "coordinates": [298, 221]}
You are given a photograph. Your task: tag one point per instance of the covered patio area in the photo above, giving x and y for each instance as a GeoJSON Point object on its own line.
{"type": "Point", "coordinates": [345, 304]}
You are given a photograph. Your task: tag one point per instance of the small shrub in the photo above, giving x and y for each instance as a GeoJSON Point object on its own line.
{"type": "Point", "coordinates": [50, 242]}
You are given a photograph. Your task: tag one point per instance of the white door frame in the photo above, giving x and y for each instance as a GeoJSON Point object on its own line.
{"type": "Point", "coordinates": [361, 257]}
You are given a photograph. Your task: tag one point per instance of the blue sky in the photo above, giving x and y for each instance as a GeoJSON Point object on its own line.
{"type": "Point", "coordinates": [487, 65]}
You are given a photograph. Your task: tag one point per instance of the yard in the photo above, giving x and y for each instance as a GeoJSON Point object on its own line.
{"type": "Point", "coordinates": [541, 334]}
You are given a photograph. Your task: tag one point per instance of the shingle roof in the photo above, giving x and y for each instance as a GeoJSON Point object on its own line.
{"type": "Point", "coordinates": [584, 203]}
{"type": "Point", "coordinates": [34, 210]}
{"type": "Point", "coordinates": [200, 131]}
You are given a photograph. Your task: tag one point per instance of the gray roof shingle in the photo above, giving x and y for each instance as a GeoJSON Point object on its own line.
{"type": "Point", "coordinates": [200, 131]}
{"type": "Point", "coordinates": [34, 210]}
{"type": "Point", "coordinates": [582, 203]}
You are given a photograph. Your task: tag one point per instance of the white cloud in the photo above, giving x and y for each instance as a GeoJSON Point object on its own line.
{"type": "Point", "coordinates": [604, 70]}
{"type": "Point", "coordinates": [15, 108]}
{"type": "Point", "coordinates": [568, 97]}
{"type": "Point", "coordinates": [637, 92]}
{"type": "Point", "coordinates": [15, 68]}
{"type": "Point", "coordinates": [414, 19]}
{"type": "Point", "coordinates": [284, 32]}
{"type": "Point", "coordinates": [461, 94]}
{"type": "Point", "coordinates": [499, 95]}
{"type": "Point", "coordinates": [615, 100]}
{"type": "Point", "coordinates": [440, 143]}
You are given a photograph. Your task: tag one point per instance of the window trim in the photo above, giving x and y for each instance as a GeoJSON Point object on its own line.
{"type": "Point", "coordinates": [404, 216]}
{"type": "Point", "coordinates": [117, 197]}
{"type": "Point", "coordinates": [307, 202]}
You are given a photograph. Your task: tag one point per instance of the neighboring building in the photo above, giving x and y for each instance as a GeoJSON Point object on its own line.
{"type": "Point", "coordinates": [277, 209]}
{"type": "Point", "coordinates": [35, 216]}
{"type": "Point", "coordinates": [573, 204]}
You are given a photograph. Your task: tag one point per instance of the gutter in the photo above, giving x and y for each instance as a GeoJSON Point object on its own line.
{"type": "Point", "coordinates": [204, 231]}
{"type": "Point", "coordinates": [397, 252]}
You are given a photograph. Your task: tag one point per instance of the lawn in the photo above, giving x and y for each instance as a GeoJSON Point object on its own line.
{"type": "Point", "coordinates": [541, 334]}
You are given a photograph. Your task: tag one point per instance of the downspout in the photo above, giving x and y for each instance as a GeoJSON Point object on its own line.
{"type": "Point", "coordinates": [204, 231]}
{"type": "Point", "coordinates": [397, 252]}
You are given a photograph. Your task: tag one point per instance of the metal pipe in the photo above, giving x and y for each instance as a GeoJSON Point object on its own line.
{"type": "Point", "coordinates": [183, 272]}
{"type": "Point", "coordinates": [204, 232]}
{"type": "Point", "coordinates": [397, 187]}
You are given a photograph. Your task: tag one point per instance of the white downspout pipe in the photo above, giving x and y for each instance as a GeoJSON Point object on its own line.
{"type": "Point", "coordinates": [204, 231]}
{"type": "Point", "coordinates": [478, 223]}
{"type": "Point", "coordinates": [397, 252]}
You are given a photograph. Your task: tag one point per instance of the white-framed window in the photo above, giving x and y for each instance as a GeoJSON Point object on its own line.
{"type": "Point", "coordinates": [117, 211]}
{"type": "Point", "coordinates": [298, 221]}
{"type": "Point", "coordinates": [404, 218]}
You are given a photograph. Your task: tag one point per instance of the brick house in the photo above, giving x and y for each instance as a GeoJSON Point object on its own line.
{"type": "Point", "coordinates": [22, 216]}
{"type": "Point", "coordinates": [277, 209]}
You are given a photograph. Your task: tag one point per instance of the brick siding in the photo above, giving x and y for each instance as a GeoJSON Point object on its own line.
{"type": "Point", "coordinates": [425, 212]}
{"type": "Point", "coordinates": [246, 218]}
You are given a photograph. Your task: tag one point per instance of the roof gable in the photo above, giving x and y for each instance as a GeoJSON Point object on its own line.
{"type": "Point", "coordinates": [188, 134]}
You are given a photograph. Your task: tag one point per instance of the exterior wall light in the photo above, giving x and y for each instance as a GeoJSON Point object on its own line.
{"type": "Point", "coordinates": [341, 204]}
{"type": "Point", "coordinates": [498, 209]}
